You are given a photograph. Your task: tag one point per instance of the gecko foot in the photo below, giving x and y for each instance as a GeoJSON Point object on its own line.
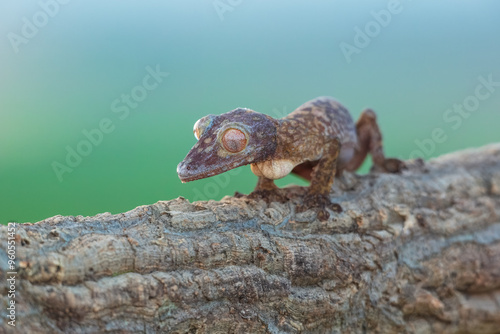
{"type": "Point", "coordinates": [269, 196]}
{"type": "Point", "coordinates": [320, 203]}
{"type": "Point", "coordinates": [390, 165]}
{"type": "Point", "coordinates": [393, 165]}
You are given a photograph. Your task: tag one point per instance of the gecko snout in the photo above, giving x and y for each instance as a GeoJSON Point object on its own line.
{"type": "Point", "coordinates": [185, 172]}
{"type": "Point", "coordinates": [192, 168]}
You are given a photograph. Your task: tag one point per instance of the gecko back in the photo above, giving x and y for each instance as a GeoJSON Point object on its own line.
{"type": "Point", "coordinates": [329, 117]}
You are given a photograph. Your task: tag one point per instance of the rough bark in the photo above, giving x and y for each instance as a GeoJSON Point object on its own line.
{"type": "Point", "coordinates": [417, 252]}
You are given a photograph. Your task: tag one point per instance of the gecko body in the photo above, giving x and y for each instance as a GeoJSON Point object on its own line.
{"type": "Point", "coordinates": [316, 141]}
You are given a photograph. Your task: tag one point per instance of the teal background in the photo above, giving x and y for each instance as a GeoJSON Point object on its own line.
{"type": "Point", "coordinates": [270, 56]}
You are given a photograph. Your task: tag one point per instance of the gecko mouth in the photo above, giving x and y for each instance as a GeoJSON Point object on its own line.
{"type": "Point", "coordinates": [186, 174]}
{"type": "Point", "coordinates": [193, 177]}
{"type": "Point", "coordinates": [191, 172]}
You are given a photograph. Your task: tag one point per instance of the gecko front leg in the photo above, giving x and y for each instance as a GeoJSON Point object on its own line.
{"type": "Point", "coordinates": [265, 184]}
{"type": "Point", "coordinates": [323, 175]}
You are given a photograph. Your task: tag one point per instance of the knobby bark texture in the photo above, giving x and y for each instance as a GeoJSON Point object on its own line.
{"type": "Point", "coordinates": [417, 252]}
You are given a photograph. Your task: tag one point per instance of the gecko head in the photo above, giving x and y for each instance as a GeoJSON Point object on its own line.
{"type": "Point", "coordinates": [237, 138]}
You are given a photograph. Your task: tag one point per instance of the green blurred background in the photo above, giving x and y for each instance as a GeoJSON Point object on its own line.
{"type": "Point", "coordinates": [62, 78]}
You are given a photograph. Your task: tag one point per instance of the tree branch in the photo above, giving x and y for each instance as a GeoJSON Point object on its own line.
{"type": "Point", "coordinates": [417, 252]}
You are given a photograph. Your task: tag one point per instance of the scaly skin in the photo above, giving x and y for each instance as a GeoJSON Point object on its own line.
{"type": "Point", "coordinates": [316, 141]}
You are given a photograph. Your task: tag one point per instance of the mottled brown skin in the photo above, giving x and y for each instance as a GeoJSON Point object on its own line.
{"type": "Point", "coordinates": [317, 141]}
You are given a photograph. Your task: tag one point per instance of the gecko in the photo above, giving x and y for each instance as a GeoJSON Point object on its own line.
{"type": "Point", "coordinates": [317, 141]}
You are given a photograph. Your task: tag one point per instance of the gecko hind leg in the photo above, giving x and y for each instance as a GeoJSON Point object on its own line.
{"type": "Point", "coordinates": [370, 141]}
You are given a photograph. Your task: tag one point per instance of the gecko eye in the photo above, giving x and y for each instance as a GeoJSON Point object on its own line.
{"type": "Point", "coordinates": [196, 134]}
{"type": "Point", "coordinates": [234, 140]}
{"type": "Point", "coordinates": [201, 125]}
{"type": "Point", "coordinates": [196, 130]}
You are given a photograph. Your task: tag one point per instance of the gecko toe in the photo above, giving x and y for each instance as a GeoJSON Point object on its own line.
{"type": "Point", "coordinates": [323, 215]}
{"type": "Point", "coordinates": [393, 165]}
{"type": "Point", "coordinates": [336, 208]}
